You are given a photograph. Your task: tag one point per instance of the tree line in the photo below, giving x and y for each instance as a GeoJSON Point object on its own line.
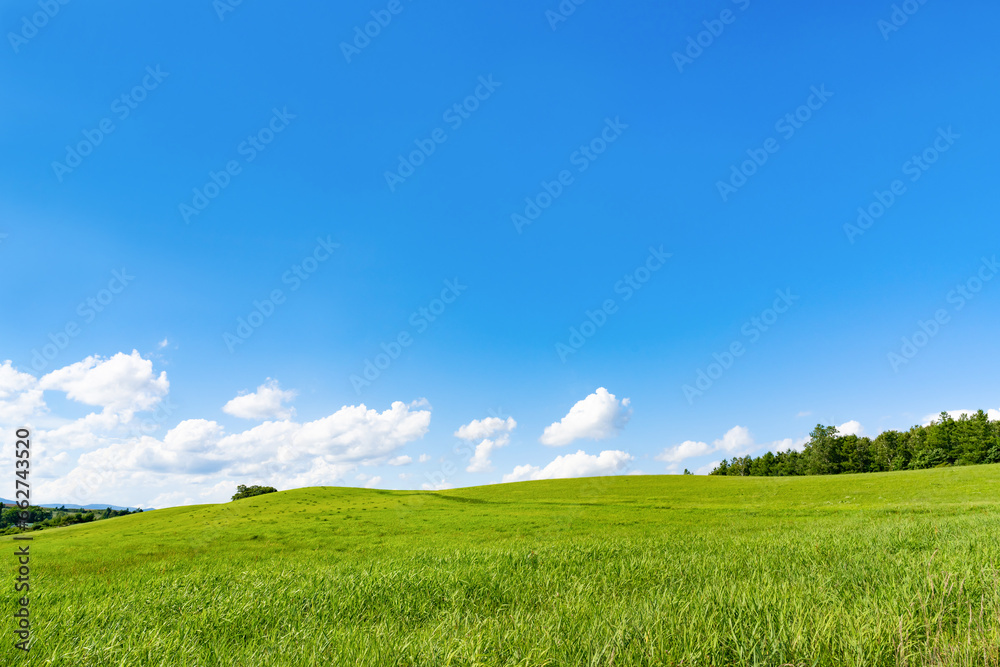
{"type": "Point", "coordinates": [968, 440]}
{"type": "Point", "coordinates": [44, 517]}
{"type": "Point", "coordinates": [244, 491]}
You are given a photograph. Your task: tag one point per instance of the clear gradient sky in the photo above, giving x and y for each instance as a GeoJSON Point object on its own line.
{"type": "Point", "coordinates": [681, 171]}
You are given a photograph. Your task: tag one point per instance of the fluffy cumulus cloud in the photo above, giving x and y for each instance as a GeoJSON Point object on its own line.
{"type": "Point", "coordinates": [580, 464]}
{"type": "Point", "coordinates": [126, 451]}
{"type": "Point", "coordinates": [20, 395]}
{"type": "Point", "coordinates": [493, 433]}
{"type": "Point", "coordinates": [686, 450]}
{"type": "Point", "coordinates": [707, 468]}
{"type": "Point", "coordinates": [356, 433]}
{"type": "Point", "coordinates": [268, 402]}
{"type": "Point", "coordinates": [790, 445]}
{"type": "Point", "coordinates": [478, 429]}
{"type": "Point", "coordinates": [736, 439]}
{"type": "Point", "coordinates": [123, 384]}
{"type": "Point", "coordinates": [991, 414]}
{"type": "Point", "coordinates": [190, 447]}
{"type": "Point", "coordinates": [852, 427]}
{"type": "Point", "coordinates": [736, 442]}
{"type": "Point", "coordinates": [284, 453]}
{"type": "Point", "coordinates": [597, 417]}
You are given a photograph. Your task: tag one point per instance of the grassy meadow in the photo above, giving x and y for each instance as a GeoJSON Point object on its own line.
{"type": "Point", "coordinates": [877, 569]}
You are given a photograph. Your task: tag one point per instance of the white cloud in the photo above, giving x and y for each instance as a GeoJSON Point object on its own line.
{"type": "Point", "coordinates": [521, 473]}
{"type": "Point", "coordinates": [355, 432]}
{"type": "Point", "coordinates": [686, 450]}
{"type": "Point", "coordinates": [736, 441]}
{"type": "Point", "coordinates": [478, 429]}
{"type": "Point", "coordinates": [373, 482]}
{"type": "Point", "coordinates": [597, 417]}
{"type": "Point", "coordinates": [424, 458]}
{"type": "Point", "coordinates": [260, 442]}
{"type": "Point", "coordinates": [852, 427]}
{"type": "Point", "coordinates": [200, 458]}
{"type": "Point", "coordinates": [790, 445]}
{"type": "Point", "coordinates": [20, 395]}
{"type": "Point", "coordinates": [268, 402]}
{"type": "Point", "coordinates": [191, 445]}
{"type": "Point", "coordinates": [123, 384]}
{"type": "Point", "coordinates": [480, 461]}
{"type": "Point", "coordinates": [579, 464]}
{"type": "Point", "coordinates": [95, 430]}
{"type": "Point", "coordinates": [163, 343]}
{"type": "Point", "coordinates": [804, 413]}
{"type": "Point", "coordinates": [707, 468]}
{"type": "Point", "coordinates": [400, 461]}
{"type": "Point", "coordinates": [494, 433]}
{"type": "Point", "coordinates": [992, 415]}
{"type": "Point", "coordinates": [171, 499]}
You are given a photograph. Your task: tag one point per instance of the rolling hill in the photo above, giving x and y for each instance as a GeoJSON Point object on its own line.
{"type": "Point", "coordinates": [92, 506]}
{"type": "Point", "coordinates": [874, 569]}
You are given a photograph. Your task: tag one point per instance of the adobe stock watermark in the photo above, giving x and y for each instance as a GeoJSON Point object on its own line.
{"type": "Point", "coordinates": [752, 329]}
{"type": "Point", "coordinates": [121, 107]}
{"type": "Point", "coordinates": [438, 480]}
{"type": "Point", "coordinates": [420, 320]}
{"type": "Point", "coordinates": [294, 277]}
{"type": "Point", "coordinates": [381, 18]}
{"type": "Point", "coordinates": [714, 28]}
{"type": "Point", "coordinates": [899, 17]}
{"type": "Point", "coordinates": [454, 116]}
{"type": "Point", "coordinates": [915, 167]}
{"type": "Point", "coordinates": [248, 149]}
{"type": "Point", "coordinates": [581, 158]}
{"type": "Point", "coordinates": [87, 311]}
{"type": "Point", "coordinates": [223, 7]}
{"type": "Point", "coordinates": [562, 12]}
{"type": "Point", "coordinates": [594, 320]}
{"type": "Point", "coordinates": [30, 25]}
{"type": "Point", "coordinates": [963, 293]}
{"type": "Point", "coordinates": [786, 126]}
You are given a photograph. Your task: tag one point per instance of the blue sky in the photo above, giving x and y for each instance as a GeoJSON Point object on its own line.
{"type": "Point", "coordinates": [599, 109]}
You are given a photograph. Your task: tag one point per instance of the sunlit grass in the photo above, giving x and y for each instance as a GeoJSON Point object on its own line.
{"type": "Point", "coordinates": [881, 569]}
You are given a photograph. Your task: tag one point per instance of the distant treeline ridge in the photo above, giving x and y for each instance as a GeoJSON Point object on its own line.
{"type": "Point", "coordinates": [38, 518]}
{"type": "Point", "coordinates": [968, 440]}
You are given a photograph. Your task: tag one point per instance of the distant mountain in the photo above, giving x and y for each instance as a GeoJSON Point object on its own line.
{"type": "Point", "coordinates": [96, 506]}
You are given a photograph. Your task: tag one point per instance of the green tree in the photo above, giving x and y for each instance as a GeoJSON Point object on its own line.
{"type": "Point", "coordinates": [971, 439]}
{"type": "Point", "coordinates": [823, 451]}
{"type": "Point", "coordinates": [855, 454]}
{"type": "Point", "coordinates": [243, 491]}
{"type": "Point", "coordinates": [740, 466]}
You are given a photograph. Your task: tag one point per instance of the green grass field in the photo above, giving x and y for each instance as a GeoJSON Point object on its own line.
{"type": "Point", "coordinates": [877, 569]}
